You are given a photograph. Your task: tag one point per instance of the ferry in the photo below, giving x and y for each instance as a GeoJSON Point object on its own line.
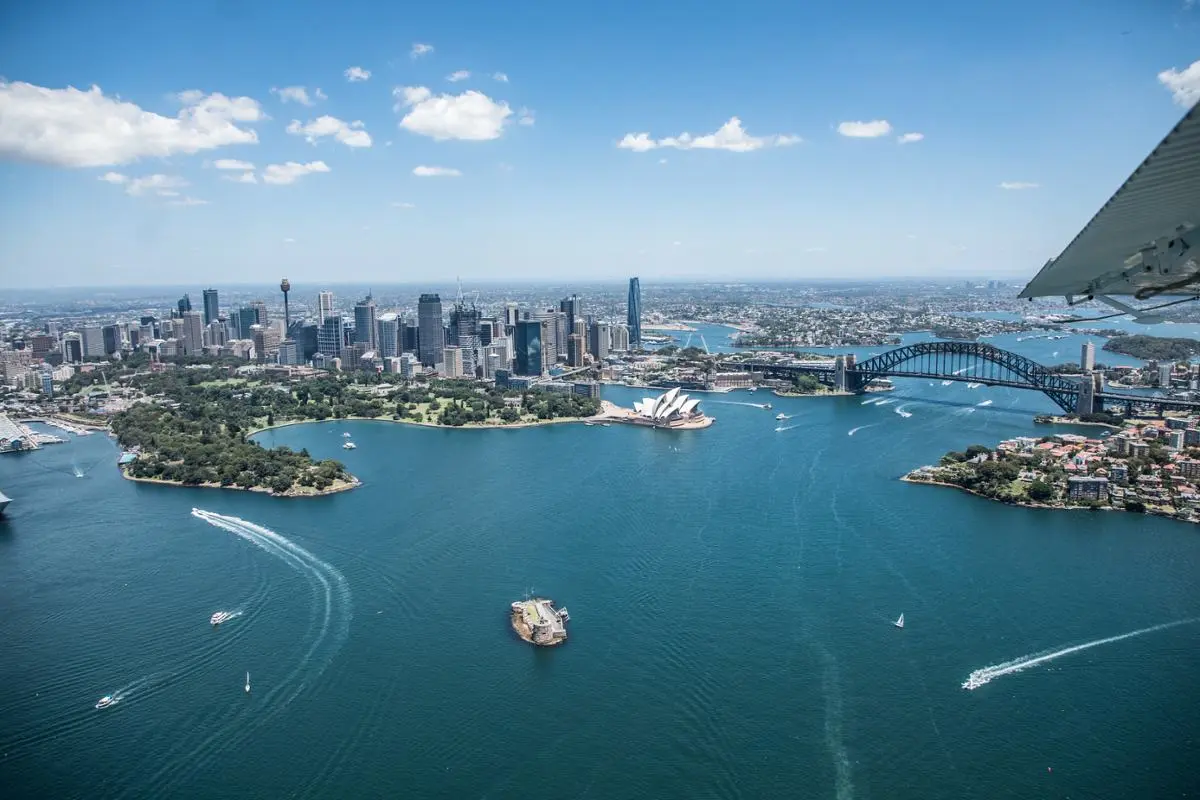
{"type": "Point", "coordinates": [219, 617]}
{"type": "Point", "coordinates": [4, 501]}
{"type": "Point", "coordinates": [106, 701]}
{"type": "Point", "coordinates": [349, 446]}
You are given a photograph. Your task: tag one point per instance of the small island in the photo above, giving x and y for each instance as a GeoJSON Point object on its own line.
{"type": "Point", "coordinates": [538, 622]}
{"type": "Point", "coordinates": [1158, 348]}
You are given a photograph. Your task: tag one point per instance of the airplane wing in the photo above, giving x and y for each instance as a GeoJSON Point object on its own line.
{"type": "Point", "coordinates": [1145, 240]}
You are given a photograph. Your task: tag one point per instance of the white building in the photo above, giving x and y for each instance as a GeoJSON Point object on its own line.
{"type": "Point", "coordinates": [667, 408]}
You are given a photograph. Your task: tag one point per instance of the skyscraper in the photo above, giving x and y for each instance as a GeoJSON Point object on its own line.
{"type": "Point", "coordinates": [1087, 357]}
{"type": "Point", "coordinates": [72, 345]}
{"type": "Point", "coordinates": [389, 336]}
{"type": "Point", "coordinates": [528, 344]}
{"type": "Point", "coordinates": [430, 336]}
{"type": "Point", "coordinates": [464, 332]}
{"type": "Point", "coordinates": [93, 342]}
{"type": "Point", "coordinates": [184, 304]}
{"type": "Point", "coordinates": [260, 312]}
{"type": "Point", "coordinates": [633, 313]}
{"type": "Point", "coordinates": [329, 337]}
{"type": "Point", "coordinates": [246, 317]}
{"type": "Point", "coordinates": [364, 323]}
{"type": "Point", "coordinates": [324, 306]}
{"type": "Point", "coordinates": [112, 339]}
{"type": "Point", "coordinates": [212, 308]}
{"type": "Point", "coordinates": [571, 307]}
{"type": "Point", "coordinates": [598, 340]}
{"type": "Point", "coordinates": [193, 333]}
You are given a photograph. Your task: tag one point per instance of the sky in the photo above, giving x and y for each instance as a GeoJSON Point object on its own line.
{"type": "Point", "coordinates": [220, 142]}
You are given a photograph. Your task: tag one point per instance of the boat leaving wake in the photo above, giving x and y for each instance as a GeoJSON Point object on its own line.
{"type": "Point", "coordinates": [985, 675]}
{"type": "Point", "coordinates": [900, 410]}
{"type": "Point", "coordinates": [984, 403]}
{"type": "Point", "coordinates": [853, 431]}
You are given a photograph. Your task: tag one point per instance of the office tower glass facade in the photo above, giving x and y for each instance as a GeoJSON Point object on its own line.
{"type": "Point", "coordinates": [430, 331]}
{"type": "Point", "coordinates": [634, 313]}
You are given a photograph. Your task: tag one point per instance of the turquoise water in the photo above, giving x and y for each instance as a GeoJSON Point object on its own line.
{"type": "Point", "coordinates": [731, 593]}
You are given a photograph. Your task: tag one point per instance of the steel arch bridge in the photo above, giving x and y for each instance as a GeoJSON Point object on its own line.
{"type": "Point", "coordinates": [965, 361]}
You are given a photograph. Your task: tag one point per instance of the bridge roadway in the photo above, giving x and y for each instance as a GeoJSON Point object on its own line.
{"type": "Point", "coordinates": [967, 362]}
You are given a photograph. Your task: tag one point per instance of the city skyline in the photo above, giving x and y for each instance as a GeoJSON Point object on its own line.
{"type": "Point", "coordinates": [449, 141]}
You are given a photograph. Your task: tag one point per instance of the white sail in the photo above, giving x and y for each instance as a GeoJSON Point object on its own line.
{"type": "Point", "coordinates": [899, 623]}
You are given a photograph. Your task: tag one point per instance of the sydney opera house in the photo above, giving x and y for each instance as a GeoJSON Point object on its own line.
{"type": "Point", "coordinates": [669, 410]}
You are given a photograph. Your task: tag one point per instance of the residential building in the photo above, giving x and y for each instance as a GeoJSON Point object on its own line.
{"type": "Point", "coordinates": [1087, 487]}
{"type": "Point", "coordinates": [575, 350]}
{"type": "Point", "coordinates": [452, 359]}
{"type": "Point", "coordinates": [620, 337]}
{"type": "Point", "coordinates": [1190, 469]}
{"type": "Point", "coordinates": [266, 342]}
{"type": "Point", "coordinates": [430, 335]}
{"type": "Point", "coordinates": [633, 313]}
{"type": "Point", "coordinates": [1164, 374]}
{"type": "Point", "coordinates": [212, 308]}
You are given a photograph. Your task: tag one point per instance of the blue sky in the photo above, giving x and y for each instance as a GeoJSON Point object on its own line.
{"type": "Point", "coordinates": [123, 185]}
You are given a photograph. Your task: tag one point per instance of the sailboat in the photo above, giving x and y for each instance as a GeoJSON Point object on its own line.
{"type": "Point", "coordinates": [899, 623]}
{"type": "Point", "coordinates": [248, 680]}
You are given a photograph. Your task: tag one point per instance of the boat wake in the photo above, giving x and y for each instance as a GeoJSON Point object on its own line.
{"type": "Point", "coordinates": [985, 675]}
{"type": "Point", "coordinates": [947, 383]}
{"type": "Point", "coordinates": [853, 431]}
{"type": "Point", "coordinates": [964, 411]}
{"type": "Point", "coordinates": [331, 599]}
{"type": "Point", "coordinates": [974, 385]}
{"type": "Point", "coordinates": [984, 403]}
{"type": "Point", "coordinates": [885, 401]}
{"type": "Point", "coordinates": [786, 428]}
{"type": "Point", "coordinates": [900, 410]}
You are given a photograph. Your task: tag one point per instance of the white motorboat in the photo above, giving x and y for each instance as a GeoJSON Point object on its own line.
{"type": "Point", "coordinates": [781, 415]}
{"type": "Point", "coordinates": [349, 446]}
{"type": "Point", "coordinates": [248, 683]}
{"type": "Point", "coordinates": [900, 622]}
{"type": "Point", "coordinates": [346, 434]}
{"type": "Point", "coordinates": [219, 617]}
{"type": "Point", "coordinates": [106, 701]}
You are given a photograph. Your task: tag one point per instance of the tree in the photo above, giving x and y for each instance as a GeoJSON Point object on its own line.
{"type": "Point", "coordinates": [1040, 491]}
{"type": "Point", "coordinates": [977, 450]}
{"type": "Point", "coordinates": [270, 419]}
{"type": "Point", "coordinates": [1136, 506]}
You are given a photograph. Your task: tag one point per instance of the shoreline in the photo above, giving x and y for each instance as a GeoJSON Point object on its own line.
{"type": "Point", "coordinates": [1057, 420]}
{"type": "Point", "coordinates": [484, 426]}
{"type": "Point", "coordinates": [337, 488]}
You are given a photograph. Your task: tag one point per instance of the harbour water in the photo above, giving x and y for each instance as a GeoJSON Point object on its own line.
{"type": "Point", "coordinates": [731, 594]}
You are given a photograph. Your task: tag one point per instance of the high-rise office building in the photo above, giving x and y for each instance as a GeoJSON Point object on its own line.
{"type": "Point", "coordinates": [633, 313]}
{"type": "Point", "coordinates": [184, 304]}
{"type": "Point", "coordinates": [212, 308]}
{"type": "Point", "coordinates": [571, 307]}
{"type": "Point", "coordinates": [93, 342]}
{"type": "Point", "coordinates": [260, 312]}
{"type": "Point", "coordinates": [549, 337]}
{"type": "Point", "coordinates": [430, 336]}
{"type": "Point", "coordinates": [305, 334]}
{"type": "Point", "coordinates": [246, 317]}
{"type": "Point", "coordinates": [324, 306]}
{"type": "Point", "coordinates": [575, 350]}
{"type": "Point", "coordinates": [452, 358]}
{"type": "Point", "coordinates": [215, 334]}
{"type": "Point", "coordinates": [528, 358]}
{"type": "Point", "coordinates": [410, 336]}
{"type": "Point", "coordinates": [388, 344]}
{"type": "Point", "coordinates": [266, 343]}
{"type": "Point", "coordinates": [112, 338]}
{"type": "Point", "coordinates": [464, 332]}
{"type": "Point", "coordinates": [364, 323]}
{"type": "Point", "coordinates": [330, 337]}
{"type": "Point", "coordinates": [598, 340]}
{"type": "Point", "coordinates": [1087, 357]}
{"type": "Point", "coordinates": [72, 344]}
{"type": "Point", "coordinates": [512, 315]}
{"type": "Point", "coordinates": [193, 333]}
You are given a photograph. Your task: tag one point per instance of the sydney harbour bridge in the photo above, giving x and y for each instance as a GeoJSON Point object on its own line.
{"type": "Point", "coordinates": [971, 362]}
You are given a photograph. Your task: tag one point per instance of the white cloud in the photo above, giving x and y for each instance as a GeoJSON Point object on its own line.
{"type": "Point", "coordinates": [471, 116]}
{"type": "Point", "coordinates": [662, 161]}
{"type": "Point", "coordinates": [350, 134]}
{"type": "Point", "coordinates": [188, 201]}
{"type": "Point", "coordinates": [500, 76]}
{"type": "Point", "coordinates": [816, 249]}
{"type": "Point", "coordinates": [72, 128]}
{"type": "Point", "coordinates": [458, 75]}
{"type": "Point", "coordinates": [156, 184]}
{"type": "Point", "coordinates": [1184, 86]}
{"type": "Point", "coordinates": [288, 240]}
{"type": "Point", "coordinates": [291, 171]}
{"type": "Point", "coordinates": [1018, 185]}
{"type": "Point", "coordinates": [404, 205]}
{"type": "Point", "coordinates": [419, 50]}
{"type": "Point", "coordinates": [865, 130]}
{"type": "Point", "coordinates": [524, 117]}
{"type": "Point", "coordinates": [298, 94]}
{"type": "Point", "coordinates": [114, 177]}
{"type": "Point", "coordinates": [676, 244]}
{"type": "Point", "coordinates": [730, 136]}
{"type": "Point", "coordinates": [245, 177]}
{"type": "Point", "coordinates": [231, 163]}
{"type": "Point", "coordinates": [908, 138]}
{"type": "Point", "coordinates": [436, 172]}
{"type": "Point", "coordinates": [356, 74]}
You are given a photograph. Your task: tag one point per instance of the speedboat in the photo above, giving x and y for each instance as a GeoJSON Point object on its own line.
{"type": "Point", "coordinates": [247, 683]}
{"type": "Point", "coordinates": [767, 406]}
{"type": "Point", "coordinates": [781, 415]}
{"type": "Point", "coordinates": [106, 701]}
{"type": "Point", "coordinates": [219, 617]}
{"type": "Point", "coordinates": [349, 446]}
{"type": "Point", "coordinates": [346, 434]}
